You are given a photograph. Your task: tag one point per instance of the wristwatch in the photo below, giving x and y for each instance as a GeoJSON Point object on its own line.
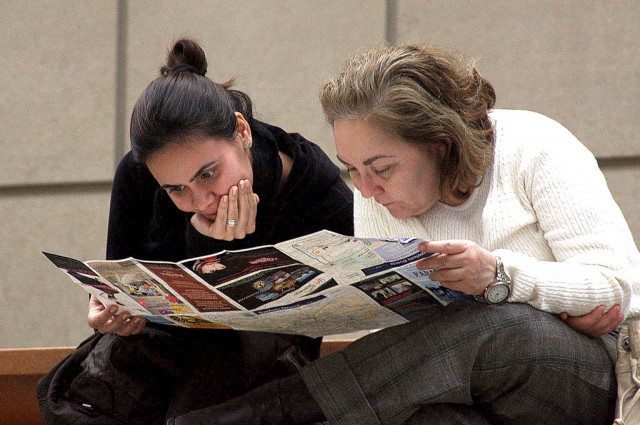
{"type": "Point", "coordinates": [499, 290]}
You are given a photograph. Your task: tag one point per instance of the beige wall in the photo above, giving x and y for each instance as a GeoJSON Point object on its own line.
{"type": "Point", "coordinates": [72, 69]}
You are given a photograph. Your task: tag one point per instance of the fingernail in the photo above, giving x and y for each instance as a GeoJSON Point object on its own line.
{"type": "Point", "coordinates": [113, 309]}
{"type": "Point", "coordinates": [234, 190]}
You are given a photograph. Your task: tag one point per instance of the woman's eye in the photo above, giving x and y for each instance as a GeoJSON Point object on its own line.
{"type": "Point", "coordinates": [352, 171]}
{"type": "Point", "coordinates": [382, 170]}
{"type": "Point", "coordinates": [208, 174]}
{"type": "Point", "coordinates": [175, 189]}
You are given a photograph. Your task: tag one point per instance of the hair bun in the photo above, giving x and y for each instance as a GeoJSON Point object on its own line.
{"type": "Point", "coordinates": [186, 56]}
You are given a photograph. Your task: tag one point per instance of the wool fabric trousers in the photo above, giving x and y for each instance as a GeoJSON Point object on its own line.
{"type": "Point", "coordinates": [469, 363]}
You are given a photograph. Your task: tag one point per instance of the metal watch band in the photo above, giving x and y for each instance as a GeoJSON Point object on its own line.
{"type": "Point", "coordinates": [501, 275]}
{"type": "Point", "coordinates": [501, 279]}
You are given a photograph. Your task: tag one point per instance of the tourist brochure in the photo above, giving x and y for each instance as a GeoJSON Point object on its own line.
{"type": "Point", "coordinates": [320, 284]}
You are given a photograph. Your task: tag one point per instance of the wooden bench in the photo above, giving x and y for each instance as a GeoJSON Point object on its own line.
{"type": "Point", "coordinates": [20, 369]}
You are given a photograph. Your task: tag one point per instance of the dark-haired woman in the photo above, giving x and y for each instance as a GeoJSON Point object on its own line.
{"type": "Point", "coordinates": [516, 213]}
{"type": "Point", "coordinates": [203, 175]}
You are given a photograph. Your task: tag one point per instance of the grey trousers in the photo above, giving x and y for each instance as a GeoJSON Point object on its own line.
{"type": "Point", "coordinates": [469, 363]}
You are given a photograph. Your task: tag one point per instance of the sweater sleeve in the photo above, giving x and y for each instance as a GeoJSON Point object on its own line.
{"type": "Point", "coordinates": [595, 260]}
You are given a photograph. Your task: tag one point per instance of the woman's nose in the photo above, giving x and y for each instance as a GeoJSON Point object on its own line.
{"type": "Point", "coordinates": [368, 187]}
{"type": "Point", "coordinates": [202, 200]}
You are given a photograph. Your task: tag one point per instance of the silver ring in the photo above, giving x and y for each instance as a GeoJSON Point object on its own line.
{"type": "Point", "coordinates": [232, 223]}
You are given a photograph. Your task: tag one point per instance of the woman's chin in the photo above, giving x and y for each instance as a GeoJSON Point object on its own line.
{"type": "Point", "coordinates": [403, 213]}
{"type": "Point", "coordinates": [398, 213]}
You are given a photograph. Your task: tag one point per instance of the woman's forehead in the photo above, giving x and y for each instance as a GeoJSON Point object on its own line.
{"type": "Point", "coordinates": [366, 142]}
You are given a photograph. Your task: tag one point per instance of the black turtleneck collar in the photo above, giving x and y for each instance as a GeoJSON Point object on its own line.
{"type": "Point", "coordinates": [267, 166]}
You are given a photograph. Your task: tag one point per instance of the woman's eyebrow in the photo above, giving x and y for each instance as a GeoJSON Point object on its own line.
{"type": "Point", "coordinates": [170, 186]}
{"type": "Point", "coordinates": [342, 160]}
{"type": "Point", "coordinates": [374, 158]}
{"type": "Point", "coordinates": [368, 161]}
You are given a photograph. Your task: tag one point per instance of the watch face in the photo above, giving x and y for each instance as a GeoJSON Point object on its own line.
{"type": "Point", "coordinates": [498, 294]}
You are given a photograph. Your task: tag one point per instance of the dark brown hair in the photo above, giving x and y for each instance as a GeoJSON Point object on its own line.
{"type": "Point", "coordinates": [182, 103]}
{"type": "Point", "coordinates": [426, 96]}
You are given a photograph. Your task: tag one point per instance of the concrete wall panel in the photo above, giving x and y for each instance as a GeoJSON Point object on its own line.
{"type": "Point", "coordinates": [57, 85]}
{"type": "Point", "coordinates": [625, 187]}
{"type": "Point", "coordinates": [41, 306]}
{"type": "Point", "coordinates": [578, 62]}
{"type": "Point", "coordinates": [280, 52]}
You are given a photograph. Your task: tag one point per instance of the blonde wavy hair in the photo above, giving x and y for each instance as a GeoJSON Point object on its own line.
{"type": "Point", "coordinates": [426, 96]}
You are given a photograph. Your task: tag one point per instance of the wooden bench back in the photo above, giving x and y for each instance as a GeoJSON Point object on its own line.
{"type": "Point", "coordinates": [20, 369]}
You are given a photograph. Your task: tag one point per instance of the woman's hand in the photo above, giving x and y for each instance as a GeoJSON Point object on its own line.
{"type": "Point", "coordinates": [596, 323]}
{"type": "Point", "coordinates": [104, 320]}
{"type": "Point", "coordinates": [464, 266]}
{"type": "Point", "coordinates": [459, 265]}
{"type": "Point", "coordinates": [236, 215]}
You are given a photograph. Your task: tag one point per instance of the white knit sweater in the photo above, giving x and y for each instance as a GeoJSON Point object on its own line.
{"type": "Point", "coordinates": [546, 210]}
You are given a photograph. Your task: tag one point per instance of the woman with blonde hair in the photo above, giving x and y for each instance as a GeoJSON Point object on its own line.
{"type": "Point", "coordinates": [517, 215]}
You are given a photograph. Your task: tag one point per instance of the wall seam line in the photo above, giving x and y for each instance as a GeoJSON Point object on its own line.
{"type": "Point", "coordinates": [120, 146]}
{"type": "Point", "coordinates": [391, 22]}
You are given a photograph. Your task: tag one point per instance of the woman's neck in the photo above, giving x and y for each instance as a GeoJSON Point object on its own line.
{"type": "Point", "coordinates": [287, 163]}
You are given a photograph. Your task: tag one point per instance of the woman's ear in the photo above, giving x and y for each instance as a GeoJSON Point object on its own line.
{"type": "Point", "coordinates": [437, 149]}
{"type": "Point", "coordinates": [243, 129]}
